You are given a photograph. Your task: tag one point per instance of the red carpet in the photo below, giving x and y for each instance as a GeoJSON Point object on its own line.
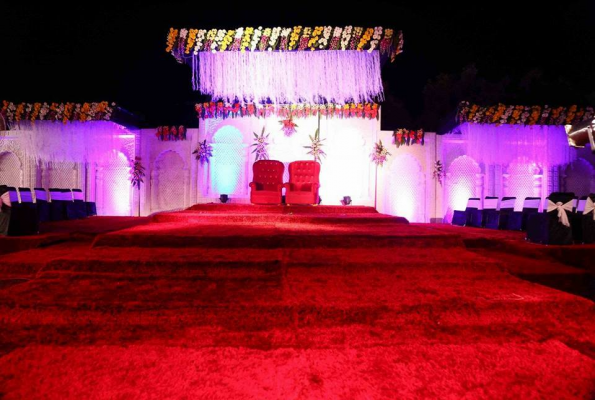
{"type": "Point", "coordinates": [257, 303]}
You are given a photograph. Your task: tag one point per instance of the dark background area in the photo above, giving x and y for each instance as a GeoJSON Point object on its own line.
{"type": "Point", "coordinates": [485, 52]}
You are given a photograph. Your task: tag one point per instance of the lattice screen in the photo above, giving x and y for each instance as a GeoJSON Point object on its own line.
{"type": "Point", "coordinates": [579, 177]}
{"type": "Point", "coordinates": [520, 183]}
{"type": "Point", "coordinates": [10, 169]}
{"type": "Point", "coordinates": [461, 183]}
{"type": "Point", "coordinates": [405, 189]}
{"type": "Point", "coordinates": [63, 175]}
{"type": "Point", "coordinates": [169, 182]}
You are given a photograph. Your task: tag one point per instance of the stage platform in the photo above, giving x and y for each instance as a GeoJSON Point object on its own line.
{"type": "Point", "coordinates": [266, 302]}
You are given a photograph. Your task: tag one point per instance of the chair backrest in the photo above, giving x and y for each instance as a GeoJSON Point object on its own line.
{"type": "Point", "coordinates": [304, 172]}
{"type": "Point", "coordinates": [13, 195]}
{"type": "Point", "coordinates": [41, 194]}
{"type": "Point", "coordinates": [507, 203]}
{"type": "Point", "coordinates": [78, 195]}
{"type": "Point", "coordinates": [268, 174]}
{"type": "Point", "coordinates": [531, 203]}
{"type": "Point", "coordinates": [474, 202]}
{"type": "Point", "coordinates": [582, 202]}
{"type": "Point", "coordinates": [490, 203]}
{"type": "Point", "coordinates": [562, 197]}
{"type": "Point", "coordinates": [60, 194]}
{"type": "Point", "coordinates": [26, 195]}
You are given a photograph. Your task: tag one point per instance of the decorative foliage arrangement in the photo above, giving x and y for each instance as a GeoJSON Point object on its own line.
{"type": "Point", "coordinates": [408, 137]}
{"type": "Point", "coordinates": [522, 115]}
{"type": "Point", "coordinates": [380, 153]}
{"type": "Point", "coordinates": [288, 126]}
{"type": "Point", "coordinates": [316, 147]}
{"type": "Point", "coordinates": [224, 110]}
{"type": "Point", "coordinates": [260, 144]}
{"type": "Point", "coordinates": [185, 42]}
{"type": "Point", "coordinates": [203, 152]}
{"type": "Point", "coordinates": [62, 112]}
{"type": "Point", "coordinates": [438, 172]}
{"type": "Point", "coordinates": [166, 133]}
{"type": "Point", "coordinates": [137, 173]}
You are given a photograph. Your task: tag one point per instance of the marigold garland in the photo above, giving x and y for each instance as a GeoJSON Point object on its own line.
{"type": "Point", "coordinates": [402, 137]}
{"type": "Point", "coordinates": [522, 115]}
{"type": "Point", "coordinates": [331, 110]}
{"type": "Point", "coordinates": [63, 112]}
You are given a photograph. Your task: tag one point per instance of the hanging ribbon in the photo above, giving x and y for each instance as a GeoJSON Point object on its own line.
{"type": "Point", "coordinates": [562, 209]}
{"type": "Point", "coordinates": [589, 207]}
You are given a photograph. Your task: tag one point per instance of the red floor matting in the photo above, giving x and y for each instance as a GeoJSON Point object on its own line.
{"type": "Point", "coordinates": [255, 302]}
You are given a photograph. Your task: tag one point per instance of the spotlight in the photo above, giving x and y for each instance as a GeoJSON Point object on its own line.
{"type": "Point", "coordinates": [223, 198]}
{"type": "Point", "coordinates": [346, 200]}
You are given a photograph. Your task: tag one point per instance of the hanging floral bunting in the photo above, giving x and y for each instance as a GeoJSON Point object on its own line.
{"type": "Point", "coordinates": [260, 144]}
{"type": "Point", "coordinates": [182, 42]}
{"type": "Point", "coordinates": [316, 146]}
{"type": "Point", "coordinates": [522, 115]}
{"type": "Point", "coordinates": [203, 152]}
{"type": "Point", "coordinates": [380, 154]}
{"type": "Point", "coordinates": [166, 133]}
{"type": "Point", "coordinates": [137, 173]}
{"type": "Point", "coordinates": [402, 137]}
{"type": "Point", "coordinates": [288, 126]}
{"type": "Point", "coordinates": [56, 112]}
{"type": "Point", "coordinates": [438, 173]}
{"type": "Point", "coordinates": [287, 111]}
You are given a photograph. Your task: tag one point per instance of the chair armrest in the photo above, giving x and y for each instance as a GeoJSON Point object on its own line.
{"type": "Point", "coordinates": [287, 186]}
{"type": "Point", "coordinates": [280, 187]}
{"type": "Point", "coordinates": [253, 185]}
{"type": "Point", "coordinates": [315, 186]}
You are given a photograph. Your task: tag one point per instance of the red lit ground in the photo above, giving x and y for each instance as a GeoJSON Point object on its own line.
{"type": "Point", "coordinates": [296, 303]}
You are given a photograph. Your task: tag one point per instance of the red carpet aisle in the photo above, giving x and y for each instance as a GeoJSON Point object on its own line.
{"type": "Point", "coordinates": [229, 301]}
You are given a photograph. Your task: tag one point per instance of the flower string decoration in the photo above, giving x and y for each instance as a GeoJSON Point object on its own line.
{"type": "Point", "coordinates": [203, 152]}
{"type": "Point", "coordinates": [402, 137]}
{"type": "Point", "coordinates": [288, 126]}
{"type": "Point", "coordinates": [137, 173]}
{"type": "Point", "coordinates": [438, 172]}
{"type": "Point", "coordinates": [316, 146]}
{"type": "Point", "coordinates": [260, 144]}
{"type": "Point", "coordinates": [380, 154]}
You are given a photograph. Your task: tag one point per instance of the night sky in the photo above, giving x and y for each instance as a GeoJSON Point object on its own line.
{"type": "Point", "coordinates": [537, 54]}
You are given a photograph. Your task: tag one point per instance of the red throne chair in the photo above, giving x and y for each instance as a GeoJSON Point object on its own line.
{"type": "Point", "coordinates": [303, 184]}
{"type": "Point", "coordinates": [267, 182]}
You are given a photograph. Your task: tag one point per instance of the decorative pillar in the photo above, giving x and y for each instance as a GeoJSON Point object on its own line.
{"type": "Point", "coordinates": [99, 189]}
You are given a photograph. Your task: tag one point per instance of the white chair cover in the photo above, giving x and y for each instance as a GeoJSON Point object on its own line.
{"type": "Point", "coordinates": [508, 203]}
{"type": "Point", "coordinates": [531, 202]}
{"type": "Point", "coordinates": [474, 202]}
{"type": "Point", "coordinates": [589, 206]}
{"type": "Point", "coordinates": [562, 210]}
{"type": "Point", "coordinates": [490, 203]}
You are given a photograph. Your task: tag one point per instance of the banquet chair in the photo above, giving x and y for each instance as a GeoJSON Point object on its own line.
{"type": "Point", "coordinates": [588, 220]}
{"type": "Point", "coordinates": [304, 182]}
{"type": "Point", "coordinates": [517, 221]}
{"type": "Point", "coordinates": [490, 214]}
{"type": "Point", "coordinates": [59, 199]}
{"type": "Point", "coordinates": [554, 225]}
{"type": "Point", "coordinates": [468, 216]}
{"type": "Point", "coordinates": [43, 206]}
{"type": "Point", "coordinates": [267, 182]}
{"type": "Point", "coordinates": [77, 209]}
{"type": "Point", "coordinates": [27, 214]}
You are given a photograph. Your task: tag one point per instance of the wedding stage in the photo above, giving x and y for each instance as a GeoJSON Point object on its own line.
{"type": "Point", "coordinates": [268, 301]}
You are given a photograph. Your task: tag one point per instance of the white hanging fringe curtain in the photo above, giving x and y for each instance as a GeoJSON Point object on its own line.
{"type": "Point", "coordinates": [289, 77]}
{"type": "Point", "coordinates": [73, 142]}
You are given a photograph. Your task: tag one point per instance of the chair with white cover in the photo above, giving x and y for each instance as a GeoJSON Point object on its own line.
{"type": "Point", "coordinates": [588, 219]}
{"type": "Point", "coordinates": [59, 199]}
{"type": "Point", "coordinates": [517, 221]}
{"type": "Point", "coordinates": [467, 217]}
{"type": "Point", "coordinates": [554, 226]}
{"type": "Point", "coordinates": [43, 206]}
{"type": "Point", "coordinates": [490, 213]}
{"type": "Point", "coordinates": [77, 209]}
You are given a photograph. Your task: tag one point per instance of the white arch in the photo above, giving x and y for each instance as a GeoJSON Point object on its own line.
{"type": "Point", "coordinates": [168, 181]}
{"type": "Point", "coordinates": [405, 188]}
{"type": "Point", "coordinates": [461, 183]}
{"type": "Point", "coordinates": [11, 169]}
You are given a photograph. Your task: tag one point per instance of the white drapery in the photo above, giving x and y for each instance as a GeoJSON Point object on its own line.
{"type": "Point", "coordinates": [501, 145]}
{"type": "Point", "coordinates": [289, 77]}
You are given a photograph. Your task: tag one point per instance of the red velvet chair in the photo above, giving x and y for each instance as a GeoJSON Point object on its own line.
{"type": "Point", "coordinates": [267, 183]}
{"type": "Point", "coordinates": [303, 184]}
